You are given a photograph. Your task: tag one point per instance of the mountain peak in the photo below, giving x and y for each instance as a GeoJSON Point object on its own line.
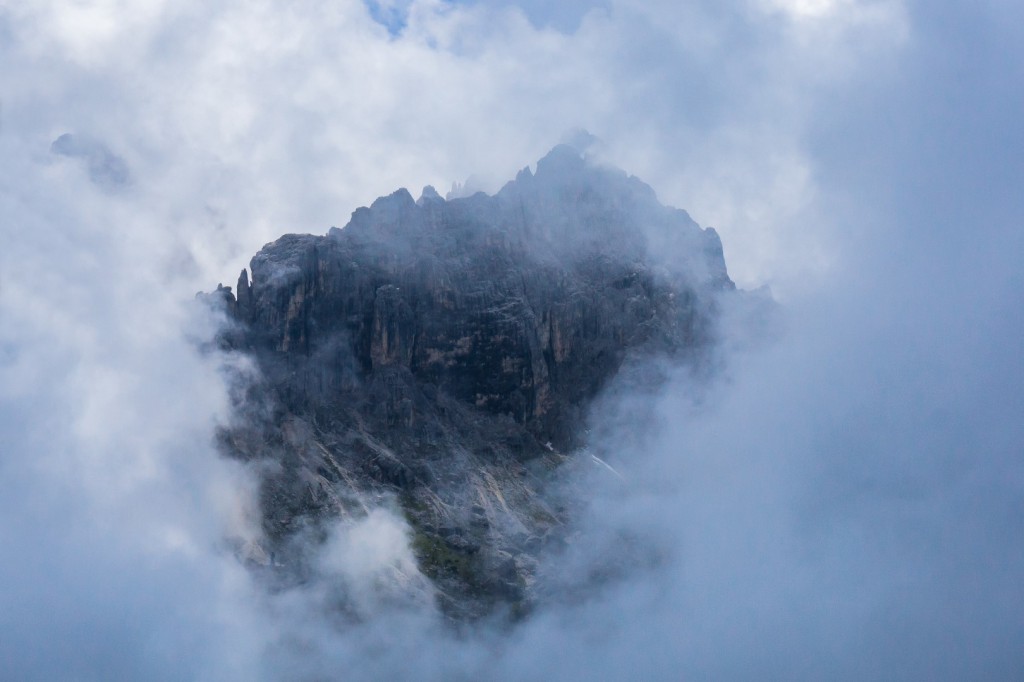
{"type": "Point", "coordinates": [445, 353]}
{"type": "Point", "coordinates": [562, 160]}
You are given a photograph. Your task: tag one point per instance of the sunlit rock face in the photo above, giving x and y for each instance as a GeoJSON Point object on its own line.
{"type": "Point", "coordinates": [443, 354]}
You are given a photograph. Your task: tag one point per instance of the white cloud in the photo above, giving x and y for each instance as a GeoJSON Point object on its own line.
{"type": "Point", "coordinates": [868, 462]}
{"type": "Point", "coordinates": [249, 120]}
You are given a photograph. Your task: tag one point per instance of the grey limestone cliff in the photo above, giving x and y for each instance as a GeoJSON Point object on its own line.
{"type": "Point", "coordinates": [443, 354]}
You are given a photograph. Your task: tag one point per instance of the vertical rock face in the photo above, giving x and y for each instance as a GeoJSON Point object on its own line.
{"type": "Point", "coordinates": [441, 349]}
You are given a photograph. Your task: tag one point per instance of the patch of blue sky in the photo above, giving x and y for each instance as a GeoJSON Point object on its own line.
{"type": "Point", "coordinates": [564, 16]}
{"type": "Point", "coordinates": [391, 14]}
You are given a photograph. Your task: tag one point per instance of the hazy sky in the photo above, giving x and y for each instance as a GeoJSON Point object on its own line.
{"type": "Point", "coordinates": [846, 503]}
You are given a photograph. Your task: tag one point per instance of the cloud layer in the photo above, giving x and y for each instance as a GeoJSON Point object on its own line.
{"type": "Point", "coordinates": [843, 503]}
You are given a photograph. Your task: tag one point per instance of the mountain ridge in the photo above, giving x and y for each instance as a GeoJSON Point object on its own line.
{"type": "Point", "coordinates": [444, 353]}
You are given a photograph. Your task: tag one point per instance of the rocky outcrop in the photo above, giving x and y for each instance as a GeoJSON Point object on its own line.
{"type": "Point", "coordinates": [445, 353]}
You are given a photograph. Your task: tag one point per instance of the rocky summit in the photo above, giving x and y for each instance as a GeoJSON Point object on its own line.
{"type": "Point", "coordinates": [440, 356]}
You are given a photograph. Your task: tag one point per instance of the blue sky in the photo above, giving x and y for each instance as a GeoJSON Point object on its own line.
{"type": "Point", "coordinates": [845, 503]}
{"type": "Point", "coordinates": [562, 16]}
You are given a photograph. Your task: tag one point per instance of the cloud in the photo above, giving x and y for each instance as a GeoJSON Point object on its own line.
{"type": "Point", "coordinates": [845, 503]}
{"type": "Point", "coordinates": [230, 109]}
{"type": "Point", "coordinates": [108, 479]}
{"type": "Point", "coordinates": [105, 168]}
{"type": "Point", "coordinates": [373, 558]}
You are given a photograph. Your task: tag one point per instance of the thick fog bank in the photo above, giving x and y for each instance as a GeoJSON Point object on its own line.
{"type": "Point", "coordinates": [843, 502]}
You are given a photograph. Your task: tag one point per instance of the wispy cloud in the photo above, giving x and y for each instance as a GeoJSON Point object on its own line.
{"type": "Point", "coordinates": [843, 504]}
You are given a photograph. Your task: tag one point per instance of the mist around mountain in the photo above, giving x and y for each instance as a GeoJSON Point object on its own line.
{"type": "Point", "coordinates": [439, 359]}
{"type": "Point", "coordinates": [841, 501]}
